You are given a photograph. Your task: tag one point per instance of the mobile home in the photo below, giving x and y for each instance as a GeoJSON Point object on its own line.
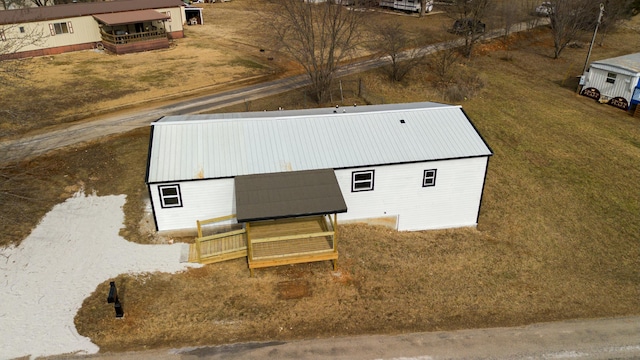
{"type": "Point", "coordinates": [416, 166]}
{"type": "Point", "coordinates": [613, 80]}
{"type": "Point", "coordinates": [406, 5]}
{"type": "Point", "coordinates": [121, 26]}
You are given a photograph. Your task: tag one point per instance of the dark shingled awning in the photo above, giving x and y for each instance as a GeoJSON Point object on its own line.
{"type": "Point", "coordinates": [130, 17]}
{"type": "Point", "coordinates": [288, 194]}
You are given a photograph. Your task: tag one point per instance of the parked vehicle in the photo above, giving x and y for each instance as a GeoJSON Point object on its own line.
{"type": "Point", "coordinates": [468, 26]}
{"type": "Point", "coordinates": [407, 5]}
{"type": "Point", "coordinates": [544, 9]}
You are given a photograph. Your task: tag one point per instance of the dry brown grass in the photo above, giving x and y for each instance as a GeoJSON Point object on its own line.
{"type": "Point", "coordinates": [557, 236]}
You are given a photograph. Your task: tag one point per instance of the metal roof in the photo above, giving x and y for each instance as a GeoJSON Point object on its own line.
{"type": "Point", "coordinates": [289, 194]}
{"type": "Point", "coordinates": [217, 146]}
{"type": "Point", "coordinates": [130, 17]}
{"type": "Point", "coordinates": [42, 13]}
{"type": "Point", "coordinates": [626, 64]}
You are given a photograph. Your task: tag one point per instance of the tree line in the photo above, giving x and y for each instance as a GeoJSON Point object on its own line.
{"type": "Point", "coordinates": [321, 36]}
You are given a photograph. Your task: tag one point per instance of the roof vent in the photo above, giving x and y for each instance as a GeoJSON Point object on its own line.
{"type": "Point", "coordinates": [401, 121]}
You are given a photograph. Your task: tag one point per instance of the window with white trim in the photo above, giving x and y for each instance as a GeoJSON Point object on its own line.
{"type": "Point", "coordinates": [362, 180]}
{"type": "Point", "coordinates": [170, 196]}
{"type": "Point", "coordinates": [611, 78]}
{"type": "Point", "coordinates": [429, 178]}
{"type": "Point", "coordinates": [168, 13]}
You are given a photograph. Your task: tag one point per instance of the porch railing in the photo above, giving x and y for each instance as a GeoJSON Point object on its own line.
{"type": "Point", "coordinates": [130, 38]}
{"type": "Point", "coordinates": [219, 246]}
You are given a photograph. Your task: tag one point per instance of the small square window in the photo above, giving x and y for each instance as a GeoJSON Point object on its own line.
{"type": "Point", "coordinates": [429, 178]}
{"type": "Point", "coordinates": [170, 196]}
{"type": "Point", "coordinates": [611, 78]}
{"type": "Point", "coordinates": [22, 29]}
{"type": "Point", "coordinates": [362, 181]}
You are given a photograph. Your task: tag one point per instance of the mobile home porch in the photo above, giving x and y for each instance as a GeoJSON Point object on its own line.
{"type": "Point", "coordinates": [282, 218]}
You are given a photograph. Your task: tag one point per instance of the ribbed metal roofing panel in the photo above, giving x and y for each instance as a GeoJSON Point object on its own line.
{"type": "Point", "coordinates": [628, 64]}
{"type": "Point", "coordinates": [217, 146]}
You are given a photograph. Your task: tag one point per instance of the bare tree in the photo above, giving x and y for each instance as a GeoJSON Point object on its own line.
{"type": "Point", "coordinates": [569, 19]}
{"type": "Point", "coordinates": [442, 60]}
{"type": "Point", "coordinates": [13, 39]}
{"type": "Point", "coordinates": [318, 36]}
{"type": "Point", "coordinates": [14, 4]}
{"type": "Point", "coordinates": [616, 11]}
{"type": "Point", "coordinates": [469, 16]}
{"type": "Point", "coordinates": [392, 42]}
{"type": "Point", "coordinates": [43, 2]}
{"type": "Point", "coordinates": [508, 16]}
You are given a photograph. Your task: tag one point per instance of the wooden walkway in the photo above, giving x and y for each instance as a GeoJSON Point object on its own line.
{"type": "Point", "coordinates": [226, 248]}
{"type": "Point", "coordinates": [267, 243]}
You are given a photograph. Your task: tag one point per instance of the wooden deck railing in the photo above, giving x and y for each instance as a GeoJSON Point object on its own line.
{"type": "Point", "coordinates": [220, 246]}
{"type": "Point", "coordinates": [129, 38]}
{"type": "Point", "coordinates": [268, 243]}
{"type": "Point", "coordinates": [291, 241]}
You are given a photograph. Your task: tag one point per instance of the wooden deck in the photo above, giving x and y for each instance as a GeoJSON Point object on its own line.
{"type": "Point", "coordinates": [291, 241]}
{"type": "Point", "coordinates": [280, 238]}
{"type": "Point", "coordinates": [267, 243]}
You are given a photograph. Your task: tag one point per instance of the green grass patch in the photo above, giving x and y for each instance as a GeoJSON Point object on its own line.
{"type": "Point", "coordinates": [156, 78]}
{"type": "Point", "coordinates": [246, 63]}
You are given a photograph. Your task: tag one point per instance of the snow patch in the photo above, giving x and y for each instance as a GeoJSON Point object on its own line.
{"type": "Point", "coordinates": [46, 278]}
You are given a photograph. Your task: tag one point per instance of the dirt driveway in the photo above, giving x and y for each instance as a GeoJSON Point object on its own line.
{"type": "Point", "coordinates": [611, 338]}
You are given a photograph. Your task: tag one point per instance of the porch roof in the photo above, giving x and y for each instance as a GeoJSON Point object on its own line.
{"type": "Point", "coordinates": [130, 17]}
{"type": "Point", "coordinates": [288, 194]}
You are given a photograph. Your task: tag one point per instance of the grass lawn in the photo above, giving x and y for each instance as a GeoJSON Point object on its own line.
{"type": "Point", "coordinates": [558, 235]}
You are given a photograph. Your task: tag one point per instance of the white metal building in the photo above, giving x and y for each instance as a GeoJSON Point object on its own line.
{"type": "Point", "coordinates": [613, 80]}
{"type": "Point", "coordinates": [423, 165]}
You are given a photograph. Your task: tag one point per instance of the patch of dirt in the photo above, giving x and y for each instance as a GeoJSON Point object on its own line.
{"type": "Point", "coordinates": [293, 289]}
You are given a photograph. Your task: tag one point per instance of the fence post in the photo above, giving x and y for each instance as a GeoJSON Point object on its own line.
{"type": "Point", "coordinates": [113, 298]}
{"type": "Point", "coordinates": [113, 293]}
{"type": "Point", "coordinates": [359, 87]}
{"type": "Point", "coordinates": [341, 94]}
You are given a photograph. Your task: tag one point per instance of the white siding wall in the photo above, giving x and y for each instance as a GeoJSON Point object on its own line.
{"type": "Point", "coordinates": [623, 86]}
{"type": "Point", "coordinates": [453, 202]}
{"type": "Point", "coordinates": [85, 30]}
{"type": "Point", "coordinates": [178, 18]}
{"type": "Point", "coordinates": [203, 199]}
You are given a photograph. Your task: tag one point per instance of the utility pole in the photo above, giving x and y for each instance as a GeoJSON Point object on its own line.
{"type": "Point", "coordinates": [593, 39]}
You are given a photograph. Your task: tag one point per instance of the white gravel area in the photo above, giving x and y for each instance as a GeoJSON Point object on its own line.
{"type": "Point", "coordinates": [44, 281]}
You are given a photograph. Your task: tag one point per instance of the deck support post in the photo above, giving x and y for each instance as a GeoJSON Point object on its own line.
{"type": "Point", "coordinates": [249, 248]}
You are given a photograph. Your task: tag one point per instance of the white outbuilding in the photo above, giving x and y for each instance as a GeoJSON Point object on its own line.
{"type": "Point", "coordinates": [613, 80]}
{"type": "Point", "coordinates": [414, 166]}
